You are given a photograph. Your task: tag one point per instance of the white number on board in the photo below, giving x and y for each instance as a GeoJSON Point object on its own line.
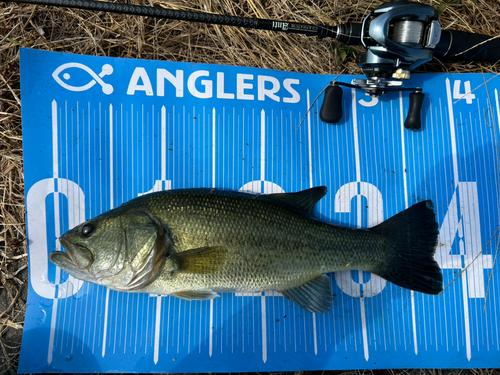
{"type": "Point", "coordinates": [467, 94]}
{"type": "Point", "coordinates": [343, 199]}
{"type": "Point", "coordinates": [461, 223]}
{"type": "Point", "coordinates": [36, 205]}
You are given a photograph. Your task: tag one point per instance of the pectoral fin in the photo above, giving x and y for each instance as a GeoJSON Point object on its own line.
{"type": "Point", "coordinates": [204, 260]}
{"type": "Point", "coordinates": [196, 294]}
{"type": "Point", "coordinates": [314, 296]}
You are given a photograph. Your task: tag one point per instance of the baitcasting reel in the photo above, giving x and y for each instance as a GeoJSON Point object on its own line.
{"type": "Point", "coordinates": [398, 36]}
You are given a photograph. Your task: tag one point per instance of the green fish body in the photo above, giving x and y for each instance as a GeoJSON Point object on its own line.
{"type": "Point", "coordinates": [196, 243]}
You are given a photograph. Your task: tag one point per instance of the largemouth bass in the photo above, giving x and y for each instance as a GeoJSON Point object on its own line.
{"type": "Point", "coordinates": [196, 243]}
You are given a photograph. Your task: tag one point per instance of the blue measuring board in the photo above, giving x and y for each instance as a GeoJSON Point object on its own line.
{"type": "Point", "coordinates": [100, 131]}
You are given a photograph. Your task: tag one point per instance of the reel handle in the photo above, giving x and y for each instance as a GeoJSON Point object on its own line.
{"type": "Point", "coordinates": [331, 109]}
{"type": "Point", "coordinates": [414, 118]}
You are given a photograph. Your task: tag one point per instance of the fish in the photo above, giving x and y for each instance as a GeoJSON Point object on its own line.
{"type": "Point", "coordinates": [196, 243]}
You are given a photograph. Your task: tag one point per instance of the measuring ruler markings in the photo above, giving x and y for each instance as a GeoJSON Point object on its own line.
{"type": "Point", "coordinates": [309, 142]}
{"type": "Point", "coordinates": [57, 186]}
{"type": "Point", "coordinates": [453, 141]}
{"type": "Point", "coordinates": [405, 190]}
{"type": "Point", "coordinates": [160, 185]}
{"type": "Point", "coordinates": [263, 312]}
{"type": "Point", "coordinates": [55, 175]}
{"type": "Point", "coordinates": [359, 217]}
{"type": "Point", "coordinates": [211, 321]}
{"type": "Point", "coordinates": [493, 279]}
{"type": "Point", "coordinates": [465, 224]}
{"type": "Point", "coordinates": [106, 303]}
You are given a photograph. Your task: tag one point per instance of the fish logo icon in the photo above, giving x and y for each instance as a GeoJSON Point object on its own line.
{"type": "Point", "coordinates": [96, 78]}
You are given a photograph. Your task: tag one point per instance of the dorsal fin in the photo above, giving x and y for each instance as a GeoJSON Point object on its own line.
{"type": "Point", "coordinates": [305, 199]}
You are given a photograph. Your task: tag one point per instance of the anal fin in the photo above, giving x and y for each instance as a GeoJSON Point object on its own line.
{"type": "Point", "coordinates": [314, 296]}
{"type": "Point", "coordinates": [205, 294]}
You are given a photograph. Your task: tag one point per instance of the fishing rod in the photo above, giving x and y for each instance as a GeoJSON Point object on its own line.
{"type": "Point", "coordinates": [398, 36]}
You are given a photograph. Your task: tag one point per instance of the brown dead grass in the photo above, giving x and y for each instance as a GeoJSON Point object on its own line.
{"type": "Point", "coordinates": [97, 33]}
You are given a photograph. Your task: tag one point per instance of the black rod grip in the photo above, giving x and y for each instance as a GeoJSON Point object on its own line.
{"type": "Point", "coordinates": [414, 118]}
{"type": "Point", "coordinates": [191, 16]}
{"type": "Point", "coordinates": [331, 109]}
{"type": "Point", "coordinates": [467, 46]}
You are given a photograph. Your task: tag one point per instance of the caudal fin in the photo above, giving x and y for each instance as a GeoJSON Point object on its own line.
{"type": "Point", "coordinates": [410, 242]}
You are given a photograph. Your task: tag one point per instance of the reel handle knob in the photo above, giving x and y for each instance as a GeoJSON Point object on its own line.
{"type": "Point", "coordinates": [414, 118]}
{"type": "Point", "coordinates": [331, 109]}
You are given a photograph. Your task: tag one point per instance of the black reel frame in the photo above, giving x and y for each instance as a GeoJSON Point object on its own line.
{"type": "Point", "coordinates": [398, 36]}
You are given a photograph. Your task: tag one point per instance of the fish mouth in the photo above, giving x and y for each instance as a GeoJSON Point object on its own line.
{"type": "Point", "coordinates": [78, 254]}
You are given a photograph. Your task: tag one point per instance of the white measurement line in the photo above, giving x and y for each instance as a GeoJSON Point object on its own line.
{"type": "Point", "coordinates": [111, 202]}
{"type": "Point", "coordinates": [211, 329]}
{"type": "Point", "coordinates": [221, 325]}
{"type": "Point", "coordinates": [405, 184]}
{"type": "Point", "coordinates": [211, 322]}
{"type": "Point", "coordinates": [356, 140]}
{"type": "Point", "coordinates": [106, 305]}
{"type": "Point", "coordinates": [163, 143]}
{"type": "Point", "coordinates": [264, 327]}
{"type": "Point", "coordinates": [73, 214]}
{"type": "Point", "coordinates": [114, 329]}
{"type": "Point", "coordinates": [452, 133]}
{"type": "Point", "coordinates": [315, 334]}
{"type": "Point", "coordinates": [136, 323]}
{"type": "Point", "coordinates": [55, 166]}
{"type": "Point", "coordinates": [142, 141]}
{"type": "Point", "coordinates": [168, 325]}
{"type": "Point", "coordinates": [358, 180]}
{"type": "Point", "coordinates": [403, 148]}
{"type": "Point", "coordinates": [262, 147]}
{"type": "Point", "coordinates": [456, 180]}
{"type": "Point", "coordinates": [173, 140]}
{"type": "Point", "coordinates": [52, 330]}
{"type": "Point", "coordinates": [55, 145]}
{"type": "Point", "coordinates": [157, 330]}
{"type": "Point", "coordinates": [127, 304]}
{"type": "Point", "coordinates": [466, 317]}
{"type": "Point", "coordinates": [494, 294]}
{"type": "Point", "coordinates": [309, 140]}
{"type": "Point", "coordinates": [213, 148]}
{"type": "Point", "coordinates": [166, 185]}
{"type": "Point", "coordinates": [59, 186]}
{"type": "Point", "coordinates": [262, 180]}
{"type": "Point", "coordinates": [105, 333]}
{"type": "Point", "coordinates": [189, 327]}
{"type": "Point", "coordinates": [179, 328]}
{"type": "Point", "coordinates": [90, 210]}
{"type": "Point", "coordinates": [363, 318]}
{"type": "Point", "coordinates": [80, 203]}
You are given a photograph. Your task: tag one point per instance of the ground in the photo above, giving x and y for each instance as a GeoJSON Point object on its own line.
{"type": "Point", "coordinates": [104, 34]}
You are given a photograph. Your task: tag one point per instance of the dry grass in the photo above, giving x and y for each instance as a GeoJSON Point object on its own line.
{"type": "Point", "coordinates": [95, 33]}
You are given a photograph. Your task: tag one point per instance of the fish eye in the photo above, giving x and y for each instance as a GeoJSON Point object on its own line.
{"type": "Point", "coordinates": [87, 229]}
